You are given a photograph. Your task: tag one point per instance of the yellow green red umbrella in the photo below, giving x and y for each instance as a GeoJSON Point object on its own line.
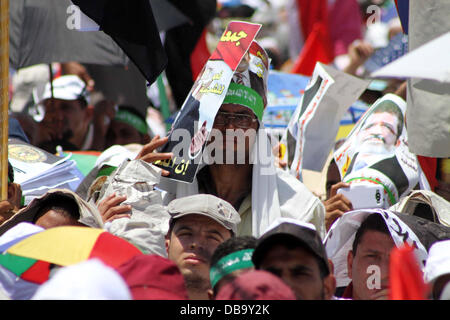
{"type": "Point", "coordinates": [31, 258]}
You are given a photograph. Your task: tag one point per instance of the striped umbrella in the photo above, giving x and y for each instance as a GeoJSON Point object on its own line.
{"type": "Point", "coordinates": [31, 258]}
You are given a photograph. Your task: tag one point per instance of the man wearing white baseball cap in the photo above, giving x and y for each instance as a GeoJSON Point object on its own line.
{"type": "Point", "coordinates": [68, 116]}
{"type": "Point", "coordinates": [198, 224]}
{"type": "Point", "coordinates": [437, 270]}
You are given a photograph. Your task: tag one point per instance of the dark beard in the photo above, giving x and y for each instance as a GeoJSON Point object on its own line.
{"type": "Point", "coordinates": [195, 282]}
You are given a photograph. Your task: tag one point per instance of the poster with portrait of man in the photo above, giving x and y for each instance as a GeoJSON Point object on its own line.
{"type": "Point", "coordinates": [315, 123]}
{"type": "Point", "coordinates": [193, 124]}
{"type": "Point", "coordinates": [376, 151]}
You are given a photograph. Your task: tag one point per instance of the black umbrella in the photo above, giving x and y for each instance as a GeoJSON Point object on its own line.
{"type": "Point", "coordinates": [40, 33]}
{"type": "Point", "coordinates": [132, 26]}
{"type": "Point", "coordinates": [167, 16]}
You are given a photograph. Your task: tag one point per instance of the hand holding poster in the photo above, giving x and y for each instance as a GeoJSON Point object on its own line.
{"type": "Point", "coordinates": [194, 122]}
{"type": "Point", "coordinates": [376, 152]}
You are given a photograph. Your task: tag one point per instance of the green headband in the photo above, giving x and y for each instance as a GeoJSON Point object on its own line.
{"type": "Point", "coordinates": [245, 96]}
{"type": "Point", "coordinates": [133, 120]}
{"type": "Point", "coordinates": [234, 261]}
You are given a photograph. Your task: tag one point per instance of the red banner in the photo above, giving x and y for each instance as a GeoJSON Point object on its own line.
{"type": "Point", "coordinates": [234, 42]}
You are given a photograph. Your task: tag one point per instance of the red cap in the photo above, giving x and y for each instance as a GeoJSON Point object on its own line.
{"type": "Point", "coordinates": [256, 285]}
{"type": "Point", "coordinates": [152, 277]}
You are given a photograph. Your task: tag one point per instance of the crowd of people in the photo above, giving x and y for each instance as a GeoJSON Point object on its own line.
{"type": "Point", "coordinates": [237, 232]}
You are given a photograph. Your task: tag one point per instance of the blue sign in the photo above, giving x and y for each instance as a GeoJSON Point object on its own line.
{"type": "Point", "coordinates": [284, 91]}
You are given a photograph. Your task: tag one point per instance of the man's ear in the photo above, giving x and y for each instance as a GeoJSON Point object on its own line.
{"type": "Point", "coordinates": [331, 266]}
{"type": "Point", "coordinates": [211, 294]}
{"type": "Point", "coordinates": [349, 264]}
{"type": "Point", "coordinates": [329, 285]}
{"type": "Point", "coordinates": [89, 112]}
{"type": "Point", "coordinates": [329, 282]}
{"type": "Point", "coordinates": [15, 195]}
{"type": "Point", "coordinates": [167, 243]}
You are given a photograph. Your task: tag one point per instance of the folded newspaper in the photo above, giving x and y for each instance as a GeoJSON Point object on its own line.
{"type": "Point", "coordinates": [38, 171]}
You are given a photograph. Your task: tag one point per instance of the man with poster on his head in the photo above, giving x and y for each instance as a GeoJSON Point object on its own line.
{"type": "Point", "coordinates": [191, 128]}
{"type": "Point", "coordinates": [237, 162]}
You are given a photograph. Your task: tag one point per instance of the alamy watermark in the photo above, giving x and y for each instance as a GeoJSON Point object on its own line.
{"type": "Point", "coordinates": [375, 14]}
{"type": "Point", "coordinates": [230, 146]}
{"type": "Point", "coordinates": [374, 280]}
{"type": "Point", "coordinates": [76, 20]}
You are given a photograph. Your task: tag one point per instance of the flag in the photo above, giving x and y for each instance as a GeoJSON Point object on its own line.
{"type": "Point", "coordinates": [405, 277]}
{"type": "Point", "coordinates": [345, 23]}
{"type": "Point", "coordinates": [341, 24]}
{"type": "Point", "coordinates": [199, 55]}
{"type": "Point", "coordinates": [132, 26]}
{"type": "Point", "coordinates": [317, 48]}
{"type": "Point", "coordinates": [429, 168]}
{"type": "Point", "coordinates": [302, 17]}
{"type": "Point", "coordinates": [311, 12]}
{"type": "Point", "coordinates": [403, 13]}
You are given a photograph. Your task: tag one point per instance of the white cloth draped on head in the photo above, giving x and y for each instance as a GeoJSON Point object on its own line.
{"type": "Point", "coordinates": [339, 239]}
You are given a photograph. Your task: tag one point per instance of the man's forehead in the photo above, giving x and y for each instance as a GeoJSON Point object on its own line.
{"type": "Point", "coordinates": [382, 116]}
{"type": "Point", "coordinates": [279, 256]}
{"type": "Point", "coordinates": [376, 239]}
